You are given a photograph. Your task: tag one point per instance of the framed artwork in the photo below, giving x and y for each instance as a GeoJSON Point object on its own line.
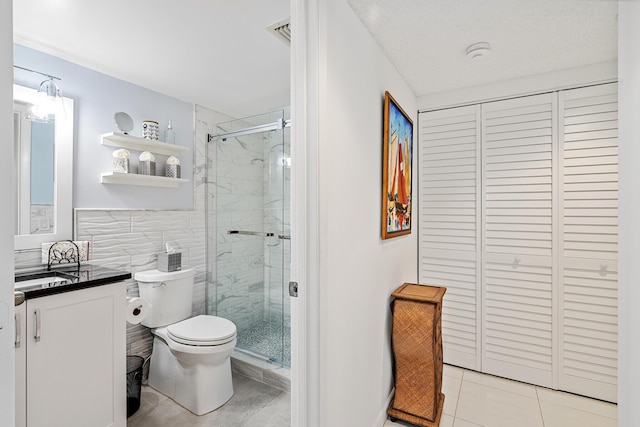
{"type": "Point", "coordinates": [397, 166]}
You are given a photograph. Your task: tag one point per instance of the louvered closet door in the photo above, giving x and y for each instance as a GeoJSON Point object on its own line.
{"type": "Point", "coordinates": [518, 138]}
{"type": "Point", "coordinates": [589, 243]}
{"type": "Point", "coordinates": [449, 223]}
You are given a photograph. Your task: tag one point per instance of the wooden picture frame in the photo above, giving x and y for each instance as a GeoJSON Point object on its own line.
{"type": "Point", "coordinates": [396, 170]}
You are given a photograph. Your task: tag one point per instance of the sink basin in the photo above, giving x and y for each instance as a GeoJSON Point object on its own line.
{"type": "Point", "coordinates": [45, 280]}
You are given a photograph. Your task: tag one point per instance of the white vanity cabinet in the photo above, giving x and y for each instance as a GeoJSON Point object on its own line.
{"type": "Point", "coordinates": [76, 358]}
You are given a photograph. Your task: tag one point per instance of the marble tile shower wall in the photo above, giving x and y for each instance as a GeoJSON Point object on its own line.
{"type": "Point", "coordinates": [239, 185]}
{"type": "Point", "coordinates": [277, 218]}
{"type": "Point", "coordinates": [206, 165]}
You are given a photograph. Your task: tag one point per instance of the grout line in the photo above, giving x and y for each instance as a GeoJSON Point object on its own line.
{"type": "Point", "coordinates": [455, 410]}
{"type": "Point", "coordinates": [569, 406]}
{"type": "Point", "coordinates": [540, 407]}
{"type": "Point", "coordinates": [509, 380]}
{"type": "Point", "coordinates": [467, 421]}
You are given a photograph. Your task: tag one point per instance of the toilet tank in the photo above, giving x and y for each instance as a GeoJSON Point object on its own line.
{"type": "Point", "coordinates": [169, 295]}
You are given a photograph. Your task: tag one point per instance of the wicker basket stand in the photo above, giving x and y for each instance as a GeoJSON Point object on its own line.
{"type": "Point", "coordinates": [417, 352]}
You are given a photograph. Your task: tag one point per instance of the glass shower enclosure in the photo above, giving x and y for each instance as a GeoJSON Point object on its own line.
{"type": "Point", "coordinates": [249, 232]}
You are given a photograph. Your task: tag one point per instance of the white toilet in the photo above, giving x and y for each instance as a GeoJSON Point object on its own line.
{"type": "Point", "coordinates": [191, 359]}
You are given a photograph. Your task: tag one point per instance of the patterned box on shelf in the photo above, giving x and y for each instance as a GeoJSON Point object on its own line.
{"type": "Point", "coordinates": [172, 171]}
{"type": "Point", "coordinates": [147, 167]}
{"type": "Point", "coordinates": [65, 252]}
{"type": "Point", "coordinates": [121, 165]}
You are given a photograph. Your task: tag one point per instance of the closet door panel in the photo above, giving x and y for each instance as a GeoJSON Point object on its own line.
{"type": "Point", "coordinates": [588, 358]}
{"type": "Point", "coordinates": [589, 241]}
{"type": "Point", "coordinates": [448, 153]}
{"type": "Point", "coordinates": [519, 138]}
{"type": "Point", "coordinates": [518, 321]}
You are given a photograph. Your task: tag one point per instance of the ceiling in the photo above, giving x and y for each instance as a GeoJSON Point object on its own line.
{"type": "Point", "coordinates": [215, 53]}
{"type": "Point", "coordinates": [427, 39]}
{"type": "Point", "coordinates": [218, 54]}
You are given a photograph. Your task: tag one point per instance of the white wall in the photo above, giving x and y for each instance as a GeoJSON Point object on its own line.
{"type": "Point", "coordinates": [629, 211]}
{"type": "Point", "coordinates": [358, 271]}
{"type": "Point", "coordinates": [7, 410]}
{"type": "Point", "coordinates": [574, 77]}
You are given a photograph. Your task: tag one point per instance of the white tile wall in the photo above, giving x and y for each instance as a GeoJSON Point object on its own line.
{"type": "Point", "coordinates": [131, 240]}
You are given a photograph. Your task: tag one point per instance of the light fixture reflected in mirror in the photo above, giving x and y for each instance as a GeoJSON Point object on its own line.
{"type": "Point", "coordinates": [48, 102]}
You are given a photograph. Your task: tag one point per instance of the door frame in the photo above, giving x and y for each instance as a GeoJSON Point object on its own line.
{"type": "Point", "coordinates": [7, 352]}
{"type": "Point", "coordinates": [305, 314]}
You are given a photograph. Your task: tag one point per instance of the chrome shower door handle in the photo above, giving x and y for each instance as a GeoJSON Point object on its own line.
{"type": "Point", "coordinates": [36, 323]}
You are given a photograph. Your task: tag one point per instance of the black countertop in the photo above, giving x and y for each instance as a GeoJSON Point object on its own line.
{"type": "Point", "coordinates": [68, 279]}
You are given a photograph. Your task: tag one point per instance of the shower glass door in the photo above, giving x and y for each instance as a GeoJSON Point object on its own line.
{"type": "Point", "coordinates": [249, 246]}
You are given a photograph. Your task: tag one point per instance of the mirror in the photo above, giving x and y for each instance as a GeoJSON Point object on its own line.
{"type": "Point", "coordinates": [43, 190]}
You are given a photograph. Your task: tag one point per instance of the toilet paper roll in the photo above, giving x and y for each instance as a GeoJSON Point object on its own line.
{"type": "Point", "coordinates": [137, 309]}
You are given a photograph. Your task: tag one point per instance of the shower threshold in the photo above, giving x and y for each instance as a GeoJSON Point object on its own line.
{"type": "Point", "coordinates": [260, 368]}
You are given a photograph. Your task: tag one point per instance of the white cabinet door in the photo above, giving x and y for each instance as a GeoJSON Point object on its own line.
{"type": "Point", "coordinates": [20, 344]}
{"type": "Point", "coordinates": [76, 371]}
{"type": "Point", "coordinates": [589, 244]}
{"type": "Point", "coordinates": [449, 241]}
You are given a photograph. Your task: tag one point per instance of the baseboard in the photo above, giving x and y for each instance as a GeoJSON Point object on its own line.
{"type": "Point", "coordinates": [382, 416]}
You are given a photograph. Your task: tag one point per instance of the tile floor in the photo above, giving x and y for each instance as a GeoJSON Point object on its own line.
{"type": "Point", "coordinates": [253, 404]}
{"type": "Point", "coordinates": [478, 400]}
{"type": "Point", "coordinates": [472, 400]}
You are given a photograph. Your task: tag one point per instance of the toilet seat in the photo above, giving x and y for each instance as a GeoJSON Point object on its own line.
{"type": "Point", "coordinates": [202, 330]}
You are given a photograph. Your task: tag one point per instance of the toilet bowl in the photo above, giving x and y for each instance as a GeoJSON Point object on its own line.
{"type": "Point", "coordinates": [193, 369]}
{"type": "Point", "coordinates": [191, 357]}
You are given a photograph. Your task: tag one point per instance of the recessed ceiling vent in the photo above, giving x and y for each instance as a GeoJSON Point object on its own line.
{"type": "Point", "coordinates": [282, 30]}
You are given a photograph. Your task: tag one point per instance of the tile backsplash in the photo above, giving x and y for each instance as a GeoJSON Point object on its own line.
{"type": "Point", "coordinates": [132, 240]}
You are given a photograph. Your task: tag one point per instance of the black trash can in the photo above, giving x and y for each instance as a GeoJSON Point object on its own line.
{"type": "Point", "coordinates": [134, 383]}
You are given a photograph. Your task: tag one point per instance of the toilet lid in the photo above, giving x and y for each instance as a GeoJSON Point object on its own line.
{"type": "Point", "coordinates": [203, 330]}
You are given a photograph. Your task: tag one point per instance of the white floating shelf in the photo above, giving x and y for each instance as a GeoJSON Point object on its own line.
{"type": "Point", "coordinates": [144, 180]}
{"type": "Point", "coordinates": [120, 140]}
